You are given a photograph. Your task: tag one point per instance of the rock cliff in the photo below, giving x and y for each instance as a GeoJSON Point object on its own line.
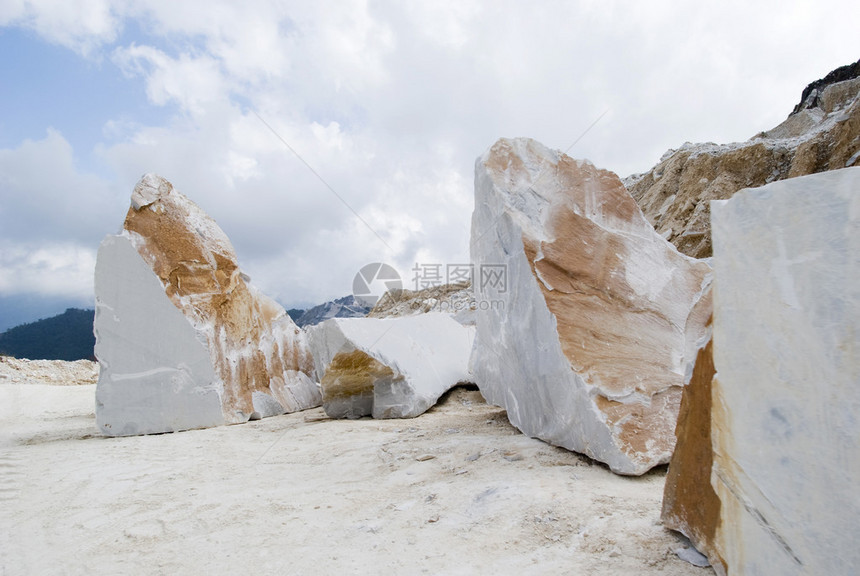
{"type": "Point", "coordinates": [822, 133]}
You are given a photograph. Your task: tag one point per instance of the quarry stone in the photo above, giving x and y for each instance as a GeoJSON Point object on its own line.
{"type": "Point", "coordinates": [588, 320]}
{"type": "Point", "coordinates": [182, 338]}
{"type": "Point", "coordinates": [389, 368]}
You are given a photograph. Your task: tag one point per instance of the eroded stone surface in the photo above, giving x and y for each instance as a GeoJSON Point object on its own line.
{"type": "Point", "coordinates": [183, 340]}
{"type": "Point", "coordinates": [786, 395]}
{"type": "Point", "coordinates": [389, 368]}
{"type": "Point", "coordinates": [587, 340]}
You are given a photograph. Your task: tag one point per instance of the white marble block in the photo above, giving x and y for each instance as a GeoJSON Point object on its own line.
{"type": "Point", "coordinates": [182, 338]}
{"type": "Point", "coordinates": [785, 420]}
{"type": "Point", "coordinates": [390, 367]}
{"type": "Point", "coordinates": [587, 341]}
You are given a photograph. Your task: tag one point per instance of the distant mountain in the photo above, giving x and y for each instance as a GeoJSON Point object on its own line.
{"type": "Point", "coordinates": [16, 309]}
{"type": "Point", "coordinates": [68, 336]}
{"type": "Point", "coordinates": [345, 307]}
{"type": "Point", "coordinates": [295, 313]}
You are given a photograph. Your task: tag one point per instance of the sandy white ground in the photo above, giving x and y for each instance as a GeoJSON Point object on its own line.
{"type": "Point", "coordinates": [301, 494]}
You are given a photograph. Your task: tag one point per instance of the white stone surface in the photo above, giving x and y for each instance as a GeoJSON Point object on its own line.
{"type": "Point", "coordinates": [786, 398]}
{"type": "Point", "coordinates": [156, 373]}
{"type": "Point", "coordinates": [426, 354]}
{"type": "Point", "coordinates": [587, 343]}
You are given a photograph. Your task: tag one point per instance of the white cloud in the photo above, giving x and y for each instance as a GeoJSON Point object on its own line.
{"type": "Point", "coordinates": [52, 217]}
{"type": "Point", "coordinates": [190, 81]}
{"type": "Point", "coordinates": [81, 25]}
{"type": "Point", "coordinates": [48, 199]}
{"type": "Point", "coordinates": [390, 103]}
{"type": "Point", "coordinates": [52, 270]}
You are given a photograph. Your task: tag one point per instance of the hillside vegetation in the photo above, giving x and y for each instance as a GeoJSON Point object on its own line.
{"type": "Point", "coordinates": [68, 336]}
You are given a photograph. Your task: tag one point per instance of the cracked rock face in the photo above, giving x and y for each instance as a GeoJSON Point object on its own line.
{"type": "Point", "coordinates": [183, 339]}
{"type": "Point", "coordinates": [392, 367]}
{"type": "Point", "coordinates": [587, 340]}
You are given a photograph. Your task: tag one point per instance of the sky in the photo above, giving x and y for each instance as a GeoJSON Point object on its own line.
{"type": "Point", "coordinates": [323, 136]}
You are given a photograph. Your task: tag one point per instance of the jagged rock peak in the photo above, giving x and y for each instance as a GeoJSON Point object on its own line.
{"type": "Point", "coordinates": [811, 97]}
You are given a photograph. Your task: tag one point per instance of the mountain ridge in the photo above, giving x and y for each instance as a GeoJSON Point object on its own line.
{"type": "Point", "coordinates": [66, 336]}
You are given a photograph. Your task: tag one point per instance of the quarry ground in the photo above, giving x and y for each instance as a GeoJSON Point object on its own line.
{"type": "Point", "coordinates": [457, 490]}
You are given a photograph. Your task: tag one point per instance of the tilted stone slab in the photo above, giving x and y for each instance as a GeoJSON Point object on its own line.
{"type": "Point", "coordinates": [183, 339]}
{"type": "Point", "coordinates": [587, 341]}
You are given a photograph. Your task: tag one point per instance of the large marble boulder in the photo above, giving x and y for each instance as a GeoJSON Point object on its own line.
{"type": "Point", "coordinates": [785, 399]}
{"type": "Point", "coordinates": [182, 338]}
{"type": "Point", "coordinates": [392, 367]}
{"type": "Point", "coordinates": [587, 319]}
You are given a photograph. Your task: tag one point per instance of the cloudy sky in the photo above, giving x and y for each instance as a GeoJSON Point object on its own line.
{"type": "Point", "coordinates": [388, 102]}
